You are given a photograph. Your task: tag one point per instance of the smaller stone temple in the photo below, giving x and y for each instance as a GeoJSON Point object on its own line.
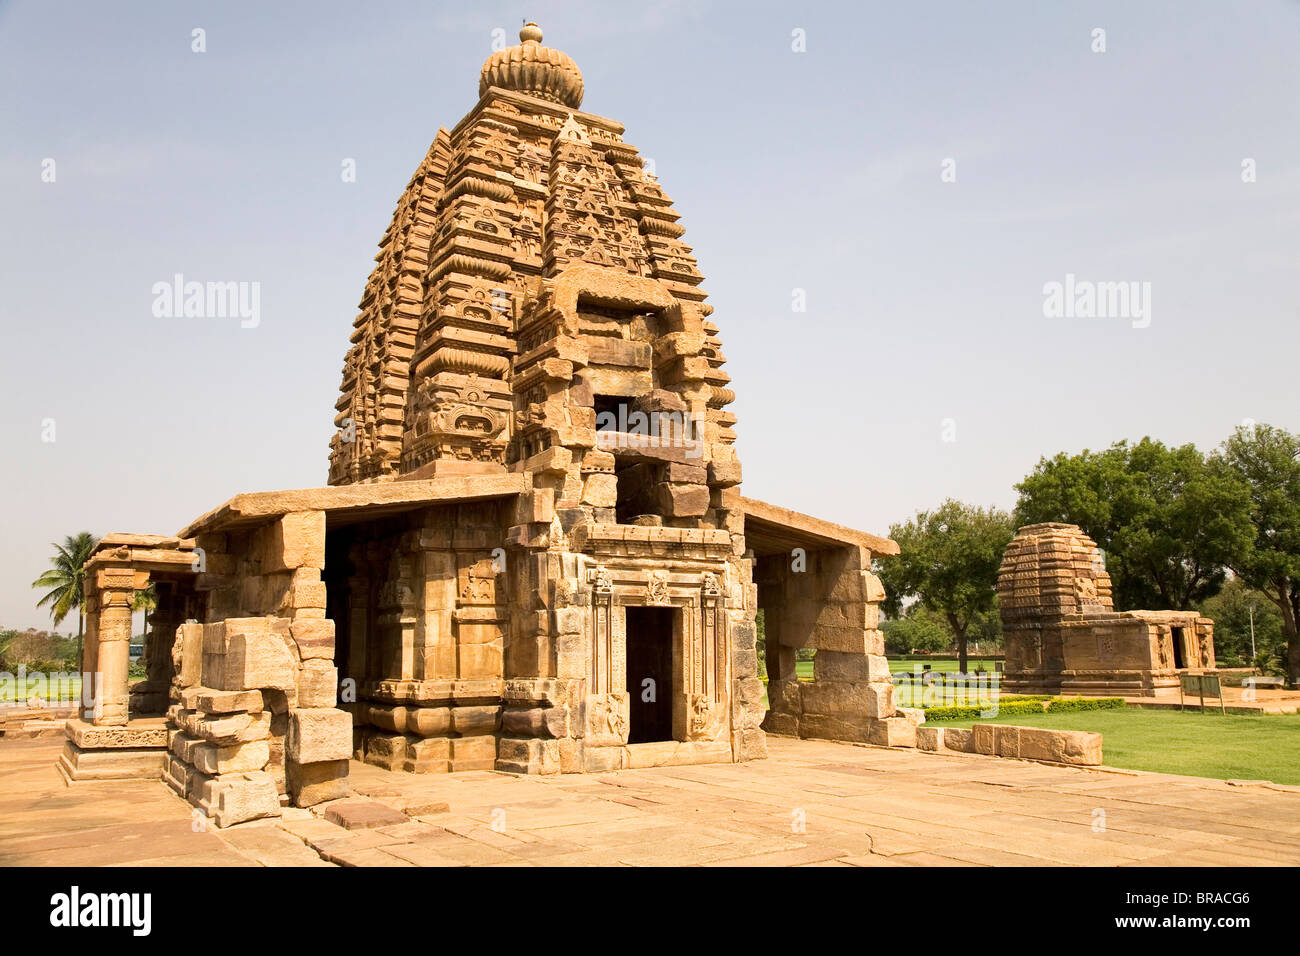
{"type": "Point", "coordinates": [1062, 631]}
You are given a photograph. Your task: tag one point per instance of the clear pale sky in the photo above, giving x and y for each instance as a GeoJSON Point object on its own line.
{"type": "Point", "coordinates": [818, 170]}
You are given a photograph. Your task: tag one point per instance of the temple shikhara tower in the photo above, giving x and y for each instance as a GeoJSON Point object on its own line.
{"type": "Point", "coordinates": [532, 554]}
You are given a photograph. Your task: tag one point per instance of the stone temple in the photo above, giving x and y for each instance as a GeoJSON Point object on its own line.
{"type": "Point", "coordinates": [1062, 631]}
{"type": "Point", "coordinates": [532, 554]}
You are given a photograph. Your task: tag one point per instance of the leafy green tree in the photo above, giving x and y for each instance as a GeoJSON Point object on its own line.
{"type": "Point", "coordinates": [1168, 522]}
{"type": "Point", "coordinates": [146, 601]}
{"type": "Point", "coordinates": [986, 627]}
{"type": "Point", "coordinates": [1233, 609]}
{"type": "Point", "coordinates": [66, 581]}
{"type": "Point", "coordinates": [7, 638]}
{"type": "Point", "coordinates": [918, 630]}
{"type": "Point", "coordinates": [948, 562]}
{"type": "Point", "coordinates": [1266, 461]}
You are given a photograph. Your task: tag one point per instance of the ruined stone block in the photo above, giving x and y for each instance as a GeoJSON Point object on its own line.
{"type": "Point", "coordinates": [237, 798]}
{"type": "Point", "coordinates": [313, 637]}
{"type": "Point", "coordinates": [317, 684]}
{"type": "Point", "coordinates": [959, 739]}
{"type": "Point", "coordinates": [682, 501]}
{"type": "Point", "coordinates": [189, 670]}
{"type": "Point", "coordinates": [929, 738]}
{"type": "Point", "coordinates": [843, 698]}
{"type": "Point", "coordinates": [296, 540]}
{"type": "Point", "coordinates": [724, 473]}
{"type": "Point", "coordinates": [892, 732]}
{"type": "Point", "coordinates": [229, 729]}
{"type": "Point", "coordinates": [313, 783]}
{"type": "Point", "coordinates": [600, 490]}
{"type": "Point", "coordinates": [215, 759]}
{"type": "Point", "coordinates": [246, 654]}
{"type": "Point", "coordinates": [319, 734]}
{"type": "Point", "coordinates": [826, 727]}
{"type": "Point", "coordinates": [841, 666]}
{"type": "Point", "coordinates": [213, 701]}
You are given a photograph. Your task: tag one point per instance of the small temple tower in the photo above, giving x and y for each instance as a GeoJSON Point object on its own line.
{"type": "Point", "coordinates": [1062, 631]}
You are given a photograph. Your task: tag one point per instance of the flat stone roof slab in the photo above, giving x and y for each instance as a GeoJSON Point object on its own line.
{"type": "Point", "coordinates": [343, 503]}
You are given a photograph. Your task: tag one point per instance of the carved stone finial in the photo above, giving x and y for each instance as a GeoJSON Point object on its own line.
{"type": "Point", "coordinates": [534, 69]}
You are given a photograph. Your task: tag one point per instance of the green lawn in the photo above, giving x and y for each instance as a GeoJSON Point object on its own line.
{"type": "Point", "coordinates": [805, 668]}
{"type": "Point", "coordinates": [947, 664]}
{"type": "Point", "coordinates": [67, 690]}
{"type": "Point", "coordinates": [902, 690]}
{"type": "Point", "coordinates": [1266, 747]}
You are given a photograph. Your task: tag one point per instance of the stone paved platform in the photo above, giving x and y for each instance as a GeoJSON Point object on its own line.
{"type": "Point", "coordinates": [860, 806]}
{"type": "Point", "coordinates": [45, 822]}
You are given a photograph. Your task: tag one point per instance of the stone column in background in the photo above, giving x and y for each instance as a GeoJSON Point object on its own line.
{"type": "Point", "coordinates": [113, 656]}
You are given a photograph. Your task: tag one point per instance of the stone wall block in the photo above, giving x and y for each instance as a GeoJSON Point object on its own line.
{"type": "Point", "coordinates": [313, 783]}
{"type": "Point", "coordinates": [236, 758]}
{"type": "Point", "coordinates": [236, 798]}
{"type": "Point", "coordinates": [314, 638]}
{"type": "Point", "coordinates": [297, 540]}
{"type": "Point", "coordinates": [318, 734]}
{"type": "Point", "coordinates": [318, 682]}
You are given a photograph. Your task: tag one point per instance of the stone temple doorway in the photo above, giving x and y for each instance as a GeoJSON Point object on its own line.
{"type": "Point", "coordinates": [650, 674]}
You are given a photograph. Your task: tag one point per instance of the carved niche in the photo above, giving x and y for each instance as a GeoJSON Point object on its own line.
{"type": "Point", "coordinates": [456, 422]}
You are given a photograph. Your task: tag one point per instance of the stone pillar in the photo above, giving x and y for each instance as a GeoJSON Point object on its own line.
{"type": "Point", "coordinates": [89, 651]}
{"type": "Point", "coordinates": [113, 644]}
{"type": "Point", "coordinates": [435, 652]}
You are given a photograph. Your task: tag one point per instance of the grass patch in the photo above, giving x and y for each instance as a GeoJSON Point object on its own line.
{"type": "Point", "coordinates": [49, 690]}
{"type": "Point", "coordinates": [1265, 747]}
{"type": "Point", "coordinates": [939, 664]}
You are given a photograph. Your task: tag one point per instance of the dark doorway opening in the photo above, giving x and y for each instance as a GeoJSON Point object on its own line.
{"type": "Point", "coordinates": [1179, 659]}
{"type": "Point", "coordinates": [650, 674]}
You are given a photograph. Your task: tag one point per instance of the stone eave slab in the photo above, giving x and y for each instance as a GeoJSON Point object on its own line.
{"type": "Point", "coordinates": [344, 500]}
{"type": "Point", "coordinates": [811, 530]}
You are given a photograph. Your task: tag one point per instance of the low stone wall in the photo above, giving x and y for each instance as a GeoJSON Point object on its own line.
{"type": "Point", "coordinates": [1080, 748]}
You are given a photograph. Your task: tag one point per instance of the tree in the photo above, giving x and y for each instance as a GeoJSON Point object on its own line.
{"type": "Point", "coordinates": [66, 581]}
{"type": "Point", "coordinates": [948, 561]}
{"type": "Point", "coordinates": [919, 629]}
{"type": "Point", "coordinates": [1266, 460]}
{"type": "Point", "coordinates": [7, 638]}
{"type": "Point", "coordinates": [1233, 610]}
{"type": "Point", "coordinates": [146, 601]}
{"type": "Point", "coordinates": [1168, 522]}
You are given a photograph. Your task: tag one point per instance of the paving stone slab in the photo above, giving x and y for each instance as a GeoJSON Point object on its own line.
{"type": "Point", "coordinates": [363, 814]}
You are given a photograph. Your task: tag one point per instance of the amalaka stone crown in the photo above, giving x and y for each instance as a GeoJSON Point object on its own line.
{"type": "Point", "coordinates": [534, 69]}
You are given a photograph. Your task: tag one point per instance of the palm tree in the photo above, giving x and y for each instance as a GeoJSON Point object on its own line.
{"type": "Point", "coordinates": [6, 641]}
{"type": "Point", "coordinates": [66, 581]}
{"type": "Point", "coordinates": [145, 601]}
